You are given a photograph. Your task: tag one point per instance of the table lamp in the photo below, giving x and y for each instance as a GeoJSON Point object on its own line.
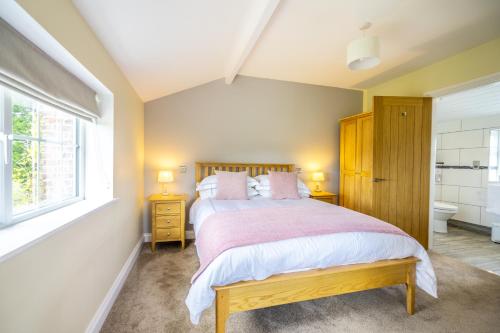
{"type": "Point", "coordinates": [318, 177]}
{"type": "Point", "coordinates": [164, 177]}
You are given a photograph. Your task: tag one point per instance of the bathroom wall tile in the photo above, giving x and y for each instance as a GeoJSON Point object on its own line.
{"type": "Point", "coordinates": [448, 156]}
{"type": "Point", "coordinates": [484, 178]}
{"type": "Point", "coordinates": [467, 139]}
{"type": "Point", "coordinates": [462, 177]}
{"type": "Point", "coordinates": [449, 193]}
{"type": "Point", "coordinates": [486, 138]}
{"type": "Point", "coordinates": [479, 123]}
{"type": "Point", "coordinates": [474, 154]}
{"type": "Point", "coordinates": [472, 196]}
{"type": "Point", "coordinates": [437, 193]}
{"type": "Point", "coordinates": [468, 213]}
{"type": "Point", "coordinates": [487, 218]}
{"type": "Point", "coordinates": [439, 138]}
{"type": "Point", "coordinates": [448, 126]}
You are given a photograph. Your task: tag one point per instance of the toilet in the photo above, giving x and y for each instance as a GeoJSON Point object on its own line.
{"type": "Point", "coordinates": [442, 213]}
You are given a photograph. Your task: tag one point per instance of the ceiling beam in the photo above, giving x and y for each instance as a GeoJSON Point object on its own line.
{"type": "Point", "coordinates": [256, 22]}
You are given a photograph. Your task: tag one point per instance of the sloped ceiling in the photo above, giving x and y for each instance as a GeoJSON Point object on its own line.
{"type": "Point", "coordinates": [171, 45]}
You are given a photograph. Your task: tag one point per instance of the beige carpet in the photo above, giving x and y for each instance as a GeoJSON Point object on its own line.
{"type": "Point", "coordinates": [152, 300]}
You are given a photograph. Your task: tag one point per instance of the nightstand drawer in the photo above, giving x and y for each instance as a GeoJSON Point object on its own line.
{"type": "Point", "coordinates": [167, 221]}
{"type": "Point", "coordinates": [168, 208]}
{"type": "Point", "coordinates": [168, 234]}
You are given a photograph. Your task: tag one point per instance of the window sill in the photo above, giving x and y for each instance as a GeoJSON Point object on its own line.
{"type": "Point", "coordinates": [21, 236]}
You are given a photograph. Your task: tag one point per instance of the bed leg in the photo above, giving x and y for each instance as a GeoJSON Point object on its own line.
{"type": "Point", "coordinates": [410, 289]}
{"type": "Point", "coordinates": [221, 310]}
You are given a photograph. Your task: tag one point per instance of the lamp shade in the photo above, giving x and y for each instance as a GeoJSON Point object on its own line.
{"type": "Point", "coordinates": [318, 176]}
{"type": "Point", "coordinates": [363, 53]}
{"type": "Point", "coordinates": [165, 176]}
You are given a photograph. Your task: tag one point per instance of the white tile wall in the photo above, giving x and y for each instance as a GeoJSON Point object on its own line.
{"type": "Point", "coordinates": [462, 177]}
{"type": "Point", "coordinates": [480, 123]}
{"type": "Point", "coordinates": [460, 142]}
{"type": "Point", "coordinates": [468, 213]}
{"type": "Point", "coordinates": [449, 126]}
{"type": "Point", "coordinates": [465, 139]}
{"type": "Point", "coordinates": [472, 196]}
{"type": "Point", "coordinates": [484, 178]}
{"type": "Point", "coordinates": [474, 154]}
{"type": "Point", "coordinates": [437, 193]}
{"type": "Point", "coordinates": [448, 156]}
{"type": "Point", "coordinates": [439, 138]}
{"type": "Point", "coordinates": [449, 193]}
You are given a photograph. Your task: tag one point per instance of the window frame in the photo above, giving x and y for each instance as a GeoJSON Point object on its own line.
{"type": "Point", "coordinates": [7, 218]}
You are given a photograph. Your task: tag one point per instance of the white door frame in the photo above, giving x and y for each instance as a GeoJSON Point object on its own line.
{"type": "Point", "coordinates": [484, 80]}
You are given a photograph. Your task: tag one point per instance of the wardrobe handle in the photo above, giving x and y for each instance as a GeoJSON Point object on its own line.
{"type": "Point", "coordinates": [378, 180]}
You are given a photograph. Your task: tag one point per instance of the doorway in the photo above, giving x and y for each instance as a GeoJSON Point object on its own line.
{"type": "Point", "coordinates": [465, 174]}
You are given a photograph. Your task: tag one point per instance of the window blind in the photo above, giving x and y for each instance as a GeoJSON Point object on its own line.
{"type": "Point", "coordinates": [26, 68]}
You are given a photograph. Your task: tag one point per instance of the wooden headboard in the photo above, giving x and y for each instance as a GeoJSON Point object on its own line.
{"type": "Point", "coordinates": [204, 169]}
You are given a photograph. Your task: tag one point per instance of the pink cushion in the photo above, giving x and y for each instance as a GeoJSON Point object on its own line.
{"type": "Point", "coordinates": [231, 185]}
{"type": "Point", "coordinates": [284, 185]}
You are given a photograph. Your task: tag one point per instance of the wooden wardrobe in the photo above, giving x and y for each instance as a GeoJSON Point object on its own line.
{"type": "Point", "coordinates": [385, 163]}
{"type": "Point", "coordinates": [356, 162]}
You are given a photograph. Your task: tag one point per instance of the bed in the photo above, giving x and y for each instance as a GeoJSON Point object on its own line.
{"type": "Point", "coordinates": [298, 269]}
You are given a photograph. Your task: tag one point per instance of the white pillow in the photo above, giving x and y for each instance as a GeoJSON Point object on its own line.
{"type": "Point", "coordinates": [210, 182]}
{"type": "Point", "coordinates": [265, 184]}
{"type": "Point", "coordinates": [212, 192]}
{"type": "Point", "coordinates": [207, 188]}
{"type": "Point", "coordinates": [264, 187]}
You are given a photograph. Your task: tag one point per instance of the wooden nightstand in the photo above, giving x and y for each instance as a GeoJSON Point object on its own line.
{"type": "Point", "coordinates": [168, 214]}
{"type": "Point", "coordinates": [331, 198]}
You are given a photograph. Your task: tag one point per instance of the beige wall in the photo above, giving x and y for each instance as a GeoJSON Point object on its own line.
{"type": "Point", "coordinates": [252, 120]}
{"type": "Point", "coordinates": [462, 67]}
{"type": "Point", "coordinates": [58, 284]}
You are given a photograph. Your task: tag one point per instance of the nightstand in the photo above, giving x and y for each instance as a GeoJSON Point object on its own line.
{"type": "Point", "coordinates": [168, 214]}
{"type": "Point", "coordinates": [331, 198]}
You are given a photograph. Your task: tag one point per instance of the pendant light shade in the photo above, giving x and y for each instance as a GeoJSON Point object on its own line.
{"type": "Point", "coordinates": [363, 53]}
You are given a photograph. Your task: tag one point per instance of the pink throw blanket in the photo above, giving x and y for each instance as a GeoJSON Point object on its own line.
{"type": "Point", "coordinates": [225, 230]}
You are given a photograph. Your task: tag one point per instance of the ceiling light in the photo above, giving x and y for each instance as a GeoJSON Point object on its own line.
{"type": "Point", "coordinates": [363, 53]}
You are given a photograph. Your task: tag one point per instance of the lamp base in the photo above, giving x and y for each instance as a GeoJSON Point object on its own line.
{"type": "Point", "coordinates": [317, 189]}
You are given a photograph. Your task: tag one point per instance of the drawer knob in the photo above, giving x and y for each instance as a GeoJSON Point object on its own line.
{"type": "Point", "coordinates": [168, 233]}
{"type": "Point", "coordinates": [168, 221]}
{"type": "Point", "coordinates": [168, 208]}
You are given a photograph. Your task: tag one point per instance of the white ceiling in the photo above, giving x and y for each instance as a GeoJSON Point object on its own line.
{"type": "Point", "coordinates": [171, 45]}
{"type": "Point", "coordinates": [477, 102]}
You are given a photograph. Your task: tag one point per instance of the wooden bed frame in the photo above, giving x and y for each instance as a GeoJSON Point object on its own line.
{"type": "Point", "coordinates": [308, 285]}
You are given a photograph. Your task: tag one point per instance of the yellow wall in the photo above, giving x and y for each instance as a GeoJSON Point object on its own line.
{"type": "Point", "coordinates": [58, 284]}
{"type": "Point", "coordinates": [465, 66]}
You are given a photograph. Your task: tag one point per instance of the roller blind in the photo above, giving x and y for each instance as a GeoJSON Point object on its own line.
{"type": "Point", "coordinates": [26, 68]}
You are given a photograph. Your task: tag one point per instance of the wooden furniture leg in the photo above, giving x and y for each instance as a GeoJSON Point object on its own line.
{"type": "Point", "coordinates": [221, 310]}
{"type": "Point", "coordinates": [410, 289]}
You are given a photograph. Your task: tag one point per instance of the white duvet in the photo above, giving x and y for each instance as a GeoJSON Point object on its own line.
{"type": "Point", "coordinates": [257, 262]}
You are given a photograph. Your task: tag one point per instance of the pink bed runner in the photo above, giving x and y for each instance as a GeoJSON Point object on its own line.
{"type": "Point", "coordinates": [222, 231]}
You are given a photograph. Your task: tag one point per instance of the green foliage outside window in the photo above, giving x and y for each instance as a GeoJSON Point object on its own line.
{"type": "Point", "coordinates": [22, 156]}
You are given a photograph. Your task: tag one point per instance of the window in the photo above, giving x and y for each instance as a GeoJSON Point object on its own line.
{"type": "Point", "coordinates": [42, 163]}
{"type": "Point", "coordinates": [494, 172]}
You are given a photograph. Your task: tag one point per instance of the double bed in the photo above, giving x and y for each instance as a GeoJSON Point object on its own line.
{"type": "Point", "coordinates": [269, 273]}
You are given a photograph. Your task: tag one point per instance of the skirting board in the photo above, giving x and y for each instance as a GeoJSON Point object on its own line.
{"type": "Point", "coordinates": [189, 235]}
{"type": "Point", "coordinates": [97, 321]}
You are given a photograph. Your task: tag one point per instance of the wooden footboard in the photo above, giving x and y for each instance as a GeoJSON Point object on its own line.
{"type": "Point", "coordinates": [303, 286]}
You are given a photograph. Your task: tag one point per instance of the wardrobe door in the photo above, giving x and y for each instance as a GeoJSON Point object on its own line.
{"type": "Point", "coordinates": [364, 164]}
{"type": "Point", "coordinates": [348, 129]}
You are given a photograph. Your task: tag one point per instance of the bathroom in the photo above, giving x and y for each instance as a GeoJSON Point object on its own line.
{"type": "Point", "coordinates": [466, 207]}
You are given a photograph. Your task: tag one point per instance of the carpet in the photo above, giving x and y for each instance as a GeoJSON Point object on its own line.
{"type": "Point", "coordinates": [152, 300]}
